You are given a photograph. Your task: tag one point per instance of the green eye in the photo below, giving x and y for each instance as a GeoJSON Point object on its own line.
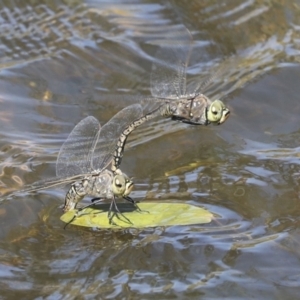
{"type": "Point", "coordinates": [217, 113]}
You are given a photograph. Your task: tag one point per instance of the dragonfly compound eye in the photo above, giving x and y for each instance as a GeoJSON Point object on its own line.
{"type": "Point", "coordinates": [118, 185]}
{"type": "Point", "coordinates": [217, 112]}
{"type": "Point", "coordinates": [214, 110]}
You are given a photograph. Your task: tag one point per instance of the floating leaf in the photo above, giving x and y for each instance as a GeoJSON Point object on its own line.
{"type": "Point", "coordinates": [151, 214]}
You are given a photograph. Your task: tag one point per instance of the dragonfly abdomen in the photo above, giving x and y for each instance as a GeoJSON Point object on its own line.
{"type": "Point", "coordinates": [75, 194]}
{"type": "Point", "coordinates": [118, 154]}
{"type": "Point", "coordinates": [98, 185]}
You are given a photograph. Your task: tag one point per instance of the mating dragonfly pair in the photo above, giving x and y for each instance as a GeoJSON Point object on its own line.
{"type": "Point", "coordinates": [91, 156]}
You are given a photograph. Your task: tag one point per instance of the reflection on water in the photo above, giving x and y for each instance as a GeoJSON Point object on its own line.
{"type": "Point", "coordinates": [64, 60]}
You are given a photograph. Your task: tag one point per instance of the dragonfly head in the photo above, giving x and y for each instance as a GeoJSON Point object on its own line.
{"type": "Point", "coordinates": [122, 185]}
{"type": "Point", "coordinates": [217, 112]}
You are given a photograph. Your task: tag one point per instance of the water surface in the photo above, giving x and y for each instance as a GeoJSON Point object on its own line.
{"type": "Point", "coordinates": [64, 60]}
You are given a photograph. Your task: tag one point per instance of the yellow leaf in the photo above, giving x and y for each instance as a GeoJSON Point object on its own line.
{"type": "Point", "coordinates": [151, 214]}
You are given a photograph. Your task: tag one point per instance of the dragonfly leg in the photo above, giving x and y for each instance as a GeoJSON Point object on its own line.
{"type": "Point", "coordinates": [109, 212]}
{"type": "Point", "coordinates": [134, 204]}
{"type": "Point", "coordinates": [116, 212]}
{"type": "Point", "coordinates": [130, 200]}
{"type": "Point", "coordinates": [95, 201]}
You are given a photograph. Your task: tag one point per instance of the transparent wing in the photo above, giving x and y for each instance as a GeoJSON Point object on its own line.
{"type": "Point", "coordinates": [110, 134]}
{"type": "Point", "coordinates": [216, 72]}
{"type": "Point", "coordinates": [151, 104]}
{"type": "Point", "coordinates": [168, 75]}
{"type": "Point", "coordinates": [45, 184]}
{"type": "Point", "coordinates": [76, 153]}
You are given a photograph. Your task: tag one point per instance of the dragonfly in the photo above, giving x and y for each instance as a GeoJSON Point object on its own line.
{"type": "Point", "coordinates": [170, 98]}
{"type": "Point", "coordinates": [182, 101]}
{"type": "Point", "coordinates": [84, 161]}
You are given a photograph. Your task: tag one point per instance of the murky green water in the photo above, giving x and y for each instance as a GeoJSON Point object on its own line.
{"type": "Point", "coordinates": [63, 60]}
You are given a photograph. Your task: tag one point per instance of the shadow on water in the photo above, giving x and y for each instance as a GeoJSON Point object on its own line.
{"type": "Point", "coordinates": [61, 61]}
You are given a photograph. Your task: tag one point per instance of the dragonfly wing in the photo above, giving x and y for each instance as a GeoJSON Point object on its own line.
{"type": "Point", "coordinates": [168, 75]}
{"type": "Point", "coordinates": [75, 155]}
{"type": "Point", "coordinates": [151, 104]}
{"type": "Point", "coordinates": [45, 184]}
{"type": "Point", "coordinates": [212, 76]}
{"type": "Point", "coordinates": [110, 133]}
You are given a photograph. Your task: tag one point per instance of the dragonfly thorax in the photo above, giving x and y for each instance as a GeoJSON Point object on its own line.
{"type": "Point", "coordinates": [191, 110]}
